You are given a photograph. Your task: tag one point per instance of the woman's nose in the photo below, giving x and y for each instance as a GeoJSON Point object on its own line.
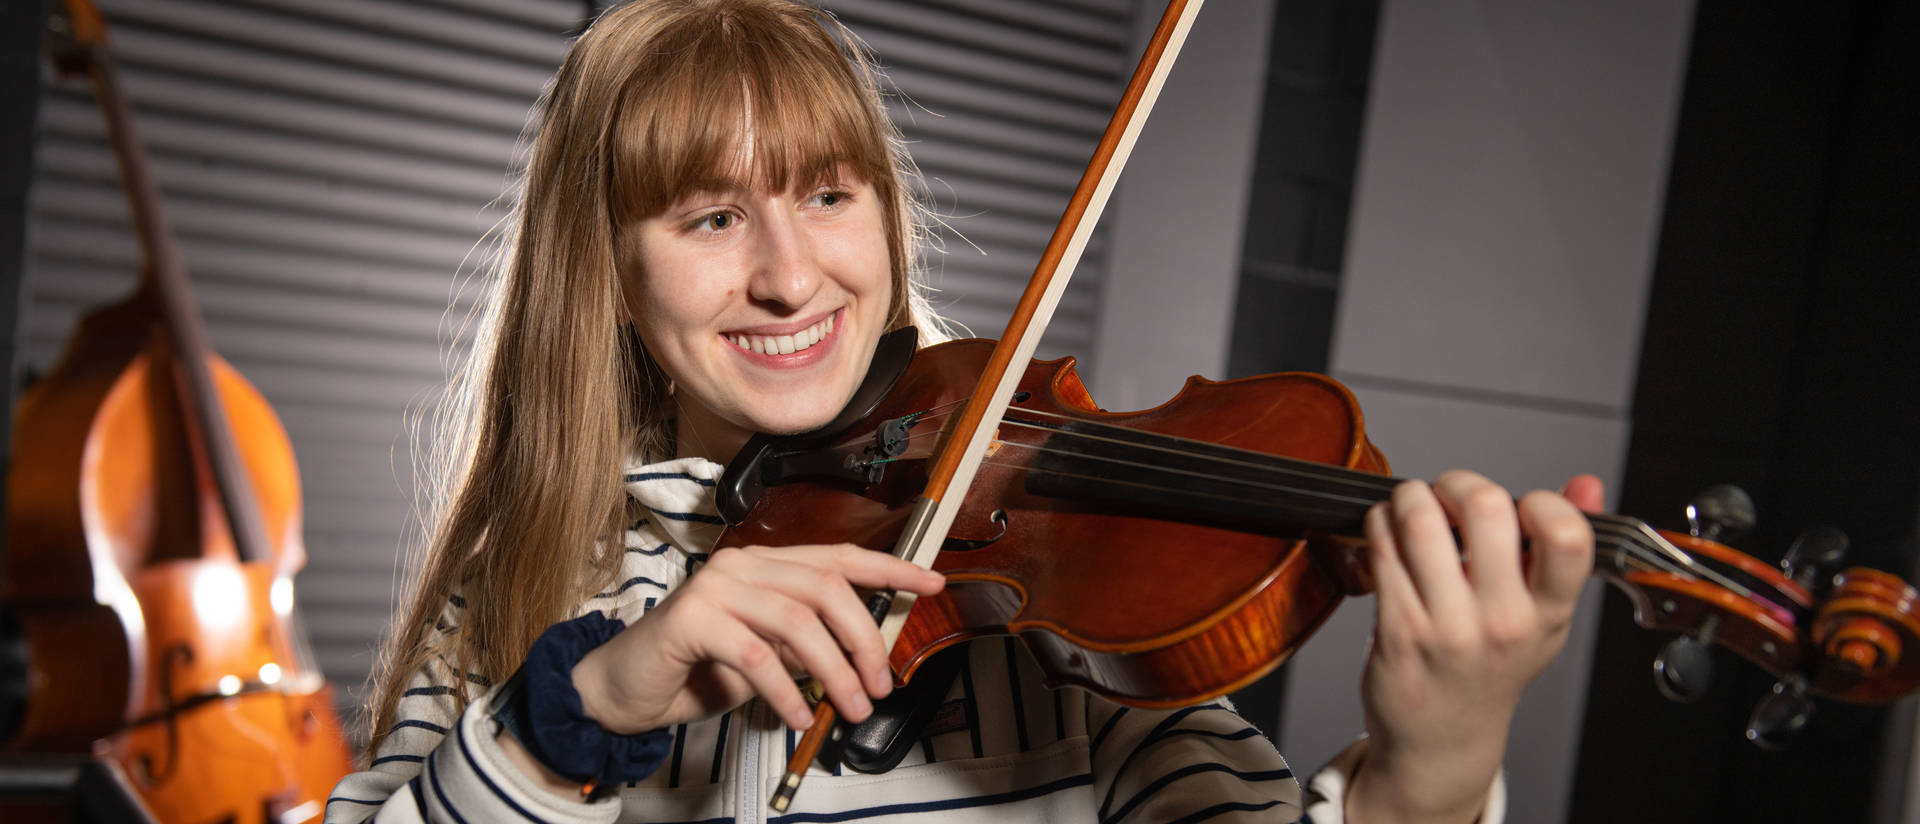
{"type": "Point", "coordinates": [787, 271]}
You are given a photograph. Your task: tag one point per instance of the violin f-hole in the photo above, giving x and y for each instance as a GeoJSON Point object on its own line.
{"type": "Point", "coordinates": [953, 544]}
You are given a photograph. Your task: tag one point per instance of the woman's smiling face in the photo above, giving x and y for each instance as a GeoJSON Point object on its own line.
{"type": "Point", "coordinates": [763, 307]}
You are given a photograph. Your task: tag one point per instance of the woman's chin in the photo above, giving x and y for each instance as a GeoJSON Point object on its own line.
{"type": "Point", "coordinates": [797, 415]}
{"type": "Point", "coordinates": [794, 425]}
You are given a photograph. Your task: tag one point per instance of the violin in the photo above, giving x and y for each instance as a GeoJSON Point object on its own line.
{"type": "Point", "coordinates": [153, 531]}
{"type": "Point", "coordinates": [1168, 556]}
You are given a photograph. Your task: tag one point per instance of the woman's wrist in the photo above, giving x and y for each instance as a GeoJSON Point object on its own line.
{"type": "Point", "coordinates": [532, 768]}
{"type": "Point", "coordinates": [1378, 794]}
{"type": "Point", "coordinates": [542, 709]}
{"type": "Point", "coordinates": [590, 681]}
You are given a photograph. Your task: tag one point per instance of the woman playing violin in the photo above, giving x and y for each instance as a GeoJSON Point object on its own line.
{"type": "Point", "coordinates": [716, 225]}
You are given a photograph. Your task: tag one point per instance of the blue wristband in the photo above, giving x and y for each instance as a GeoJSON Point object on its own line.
{"type": "Point", "coordinates": [541, 708]}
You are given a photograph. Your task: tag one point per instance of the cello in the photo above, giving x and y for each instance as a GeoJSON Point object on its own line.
{"type": "Point", "coordinates": [153, 531]}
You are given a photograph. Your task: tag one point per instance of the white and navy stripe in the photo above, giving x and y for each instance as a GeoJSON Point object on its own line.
{"type": "Point", "coordinates": [1010, 749]}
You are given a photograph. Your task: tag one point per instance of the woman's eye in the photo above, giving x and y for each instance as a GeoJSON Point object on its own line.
{"type": "Point", "coordinates": [716, 222]}
{"type": "Point", "coordinates": [831, 199]}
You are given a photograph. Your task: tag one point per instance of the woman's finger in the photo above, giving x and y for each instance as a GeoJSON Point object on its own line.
{"type": "Point", "coordinates": [1396, 601]}
{"type": "Point", "coordinates": [715, 637]}
{"type": "Point", "coordinates": [1586, 492]}
{"type": "Point", "coordinates": [797, 624]}
{"type": "Point", "coordinates": [867, 568]}
{"type": "Point", "coordinates": [1427, 549]}
{"type": "Point", "coordinates": [832, 600]}
{"type": "Point", "coordinates": [1489, 534]}
{"type": "Point", "coordinates": [1561, 538]}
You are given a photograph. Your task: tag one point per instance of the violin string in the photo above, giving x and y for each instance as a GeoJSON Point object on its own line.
{"type": "Point", "coordinates": [944, 411]}
{"type": "Point", "coordinates": [1258, 461]}
{"type": "Point", "coordinates": [1150, 487]}
{"type": "Point", "coordinates": [1370, 487]}
{"type": "Point", "coordinates": [1614, 538]}
{"type": "Point", "coordinates": [1330, 497]}
{"type": "Point", "coordinates": [1653, 550]}
{"type": "Point", "coordinates": [1635, 539]}
{"type": "Point", "coordinates": [1185, 491]}
{"type": "Point", "coordinates": [1253, 459]}
{"type": "Point", "coordinates": [1663, 553]}
{"type": "Point", "coordinates": [1620, 547]}
{"type": "Point", "coordinates": [1381, 486]}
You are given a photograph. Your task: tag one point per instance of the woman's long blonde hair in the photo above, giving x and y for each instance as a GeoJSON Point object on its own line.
{"type": "Point", "coordinates": [524, 483]}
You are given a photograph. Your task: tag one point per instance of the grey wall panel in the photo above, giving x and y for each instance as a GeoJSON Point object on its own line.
{"type": "Point", "coordinates": [981, 28]}
{"type": "Point", "coordinates": [1180, 215]}
{"type": "Point", "coordinates": [446, 25]}
{"type": "Point", "coordinates": [109, 246]}
{"type": "Point", "coordinates": [330, 167]}
{"type": "Point", "coordinates": [546, 15]}
{"type": "Point", "coordinates": [167, 135]}
{"type": "Point", "coordinates": [289, 72]}
{"type": "Point", "coordinates": [1511, 179]}
{"type": "Point", "coordinates": [1556, 129]}
{"type": "Point", "coordinates": [277, 191]}
{"type": "Point", "coordinates": [278, 32]}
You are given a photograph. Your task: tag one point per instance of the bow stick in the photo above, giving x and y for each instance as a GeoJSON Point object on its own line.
{"type": "Point", "coordinates": [934, 512]}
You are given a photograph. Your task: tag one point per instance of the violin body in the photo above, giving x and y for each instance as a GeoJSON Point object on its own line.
{"type": "Point", "coordinates": [1105, 598]}
{"type": "Point", "coordinates": [181, 666]}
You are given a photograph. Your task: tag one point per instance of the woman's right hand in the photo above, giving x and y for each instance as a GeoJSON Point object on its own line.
{"type": "Point", "coordinates": [734, 629]}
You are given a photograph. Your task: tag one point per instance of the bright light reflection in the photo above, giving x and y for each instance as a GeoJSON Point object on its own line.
{"type": "Point", "coordinates": [269, 673]}
{"type": "Point", "coordinates": [229, 685]}
{"type": "Point", "coordinates": [219, 595]}
{"type": "Point", "coordinates": [280, 594]}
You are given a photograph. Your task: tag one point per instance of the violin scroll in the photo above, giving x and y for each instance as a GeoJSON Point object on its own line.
{"type": "Point", "coordinates": [1844, 637]}
{"type": "Point", "coordinates": [1862, 629]}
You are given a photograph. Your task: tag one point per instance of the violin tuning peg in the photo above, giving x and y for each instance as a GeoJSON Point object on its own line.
{"type": "Point", "coordinates": [1780, 717]}
{"type": "Point", "coordinates": [1720, 513]}
{"type": "Point", "coordinates": [1684, 669]}
{"type": "Point", "coordinates": [1816, 551]}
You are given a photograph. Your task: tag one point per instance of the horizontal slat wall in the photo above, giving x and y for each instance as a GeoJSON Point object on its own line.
{"type": "Point", "coordinates": [329, 166]}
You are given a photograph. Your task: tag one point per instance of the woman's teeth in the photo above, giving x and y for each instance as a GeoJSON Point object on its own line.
{"type": "Point", "coordinates": [785, 344]}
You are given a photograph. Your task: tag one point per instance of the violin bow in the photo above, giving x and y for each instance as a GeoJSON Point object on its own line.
{"type": "Point", "coordinates": [954, 469]}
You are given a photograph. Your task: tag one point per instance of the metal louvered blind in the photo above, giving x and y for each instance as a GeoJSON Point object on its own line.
{"type": "Point", "coordinates": [328, 166]}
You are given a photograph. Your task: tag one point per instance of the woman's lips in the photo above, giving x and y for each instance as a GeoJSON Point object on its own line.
{"type": "Point", "coordinates": [795, 348]}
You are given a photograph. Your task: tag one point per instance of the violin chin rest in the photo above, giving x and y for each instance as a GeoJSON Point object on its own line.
{"type": "Point", "coordinates": [899, 720]}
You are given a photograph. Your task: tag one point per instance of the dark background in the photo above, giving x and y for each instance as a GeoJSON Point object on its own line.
{"type": "Point", "coordinates": [1780, 355]}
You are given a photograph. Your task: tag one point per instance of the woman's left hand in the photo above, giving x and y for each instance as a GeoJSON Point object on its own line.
{"type": "Point", "coordinates": [1456, 643]}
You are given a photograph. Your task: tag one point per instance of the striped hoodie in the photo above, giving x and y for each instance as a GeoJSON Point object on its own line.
{"type": "Point", "coordinates": [1002, 749]}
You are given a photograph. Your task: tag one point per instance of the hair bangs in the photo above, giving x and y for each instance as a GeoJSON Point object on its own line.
{"type": "Point", "coordinates": [741, 101]}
